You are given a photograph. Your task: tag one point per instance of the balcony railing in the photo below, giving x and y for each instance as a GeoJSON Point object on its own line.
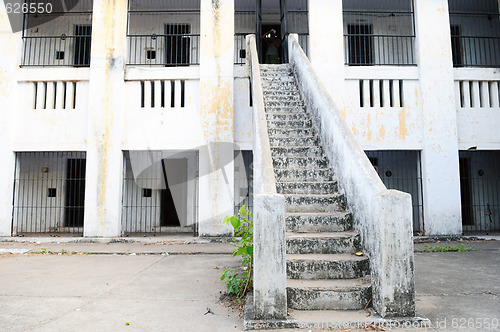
{"type": "Point", "coordinates": [475, 33]}
{"type": "Point", "coordinates": [379, 33]}
{"type": "Point", "coordinates": [57, 51]}
{"type": "Point", "coordinates": [61, 37]}
{"type": "Point", "coordinates": [370, 50]}
{"type": "Point", "coordinates": [164, 50]}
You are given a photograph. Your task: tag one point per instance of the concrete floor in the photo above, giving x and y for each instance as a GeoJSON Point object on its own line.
{"type": "Point", "coordinates": [455, 289]}
{"type": "Point", "coordinates": [103, 292]}
{"type": "Point", "coordinates": [107, 285]}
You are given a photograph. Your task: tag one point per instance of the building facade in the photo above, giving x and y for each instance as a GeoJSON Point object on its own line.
{"type": "Point", "coordinates": [135, 117]}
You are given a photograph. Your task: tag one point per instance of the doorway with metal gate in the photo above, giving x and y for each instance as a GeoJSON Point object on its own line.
{"type": "Point", "coordinates": [159, 192]}
{"type": "Point", "coordinates": [273, 20]}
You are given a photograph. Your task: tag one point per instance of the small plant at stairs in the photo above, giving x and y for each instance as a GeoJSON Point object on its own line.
{"type": "Point", "coordinates": [239, 282]}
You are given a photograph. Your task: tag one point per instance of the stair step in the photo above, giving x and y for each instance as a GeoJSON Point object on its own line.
{"type": "Point", "coordinates": [290, 151]}
{"type": "Point", "coordinates": [285, 109]}
{"type": "Point", "coordinates": [289, 124]}
{"type": "Point", "coordinates": [288, 117]}
{"type": "Point", "coordinates": [270, 93]}
{"type": "Point", "coordinates": [334, 266]}
{"type": "Point", "coordinates": [314, 174]}
{"type": "Point", "coordinates": [286, 132]}
{"type": "Point", "coordinates": [318, 222]}
{"type": "Point", "coordinates": [277, 78]}
{"type": "Point", "coordinates": [279, 103]}
{"type": "Point", "coordinates": [315, 203]}
{"type": "Point", "coordinates": [322, 243]}
{"type": "Point", "coordinates": [349, 294]}
{"type": "Point", "coordinates": [280, 86]}
{"type": "Point", "coordinates": [300, 162]}
{"type": "Point", "coordinates": [293, 141]}
{"type": "Point", "coordinates": [306, 187]}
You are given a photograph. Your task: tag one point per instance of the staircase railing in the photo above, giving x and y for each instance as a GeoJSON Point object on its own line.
{"type": "Point", "coordinates": [382, 217]}
{"type": "Point", "coordinates": [269, 209]}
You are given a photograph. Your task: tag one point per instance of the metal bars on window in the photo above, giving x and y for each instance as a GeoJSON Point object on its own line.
{"type": "Point", "coordinates": [480, 191]}
{"type": "Point", "coordinates": [164, 33]}
{"type": "Point", "coordinates": [379, 33]}
{"type": "Point", "coordinates": [49, 193]}
{"type": "Point", "coordinates": [59, 38]}
{"type": "Point", "coordinates": [401, 170]}
{"type": "Point", "coordinates": [475, 33]}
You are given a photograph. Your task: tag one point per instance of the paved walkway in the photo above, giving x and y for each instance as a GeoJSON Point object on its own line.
{"type": "Point", "coordinates": [169, 286]}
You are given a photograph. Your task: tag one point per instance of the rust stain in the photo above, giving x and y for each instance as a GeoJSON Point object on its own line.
{"type": "Point", "coordinates": [381, 133]}
{"type": "Point", "coordinates": [403, 115]}
{"type": "Point", "coordinates": [368, 127]}
{"type": "Point", "coordinates": [217, 113]}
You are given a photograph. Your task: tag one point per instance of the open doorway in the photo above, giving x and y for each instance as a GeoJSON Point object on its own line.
{"type": "Point", "coordinates": [75, 193]}
{"type": "Point", "coordinates": [174, 196]}
{"type": "Point", "coordinates": [272, 49]}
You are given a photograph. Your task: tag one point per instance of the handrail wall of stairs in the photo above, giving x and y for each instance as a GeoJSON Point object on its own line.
{"type": "Point", "coordinates": [382, 217]}
{"type": "Point", "coordinates": [269, 294]}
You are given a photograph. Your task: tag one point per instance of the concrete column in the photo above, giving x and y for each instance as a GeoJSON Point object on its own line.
{"type": "Point", "coordinates": [10, 46]}
{"type": "Point", "coordinates": [326, 45]}
{"type": "Point", "coordinates": [107, 87]}
{"type": "Point", "coordinates": [216, 189]}
{"type": "Point", "coordinates": [441, 177]}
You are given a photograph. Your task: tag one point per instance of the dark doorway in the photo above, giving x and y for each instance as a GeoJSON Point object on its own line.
{"type": "Point", "coordinates": [75, 193]}
{"type": "Point", "coordinates": [168, 212]}
{"type": "Point", "coordinates": [272, 50]}
{"type": "Point", "coordinates": [177, 44]}
{"type": "Point", "coordinates": [83, 35]}
{"type": "Point", "coordinates": [456, 45]}
{"type": "Point", "coordinates": [466, 192]}
{"type": "Point", "coordinates": [360, 38]}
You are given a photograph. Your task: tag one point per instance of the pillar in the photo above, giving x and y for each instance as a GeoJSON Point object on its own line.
{"type": "Point", "coordinates": [440, 166]}
{"type": "Point", "coordinates": [104, 175]}
{"type": "Point", "coordinates": [216, 189]}
{"type": "Point", "coordinates": [326, 45]}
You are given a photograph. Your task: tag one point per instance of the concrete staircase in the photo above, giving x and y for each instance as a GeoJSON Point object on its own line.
{"type": "Point", "coordinates": [323, 272]}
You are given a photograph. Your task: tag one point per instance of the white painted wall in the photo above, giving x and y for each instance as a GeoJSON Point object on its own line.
{"type": "Point", "coordinates": [383, 126]}
{"type": "Point", "coordinates": [477, 103]}
{"type": "Point", "coordinates": [10, 48]}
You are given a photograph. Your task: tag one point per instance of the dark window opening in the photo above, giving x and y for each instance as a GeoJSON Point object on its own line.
{"type": "Point", "coordinates": [150, 55]}
{"type": "Point", "coordinates": [75, 193]}
{"type": "Point", "coordinates": [52, 192]}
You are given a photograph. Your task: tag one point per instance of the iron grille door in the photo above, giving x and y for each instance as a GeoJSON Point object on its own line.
{"type": "Point", "coordinates": [83, 35]}
{"type": "Point", "coordinates": [177, 44]}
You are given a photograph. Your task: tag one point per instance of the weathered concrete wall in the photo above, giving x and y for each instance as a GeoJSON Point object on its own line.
{"type": "Point", "coordinates": [269, 210]}
{"type": "Point", "coordinates": [383, 217]}
{"type": "Point", "coordinates": [441, 179]}
{"type": "Point", "coordinates": [392, 122]}
{"type": "Point", "coordinates": [478, 113]}
{"type": "Point", "coordinates": [107, 88]}
{"type": "Point", "coordinates": [216, 190]}
{"type": "Point", "coordinates": [10, 46]}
